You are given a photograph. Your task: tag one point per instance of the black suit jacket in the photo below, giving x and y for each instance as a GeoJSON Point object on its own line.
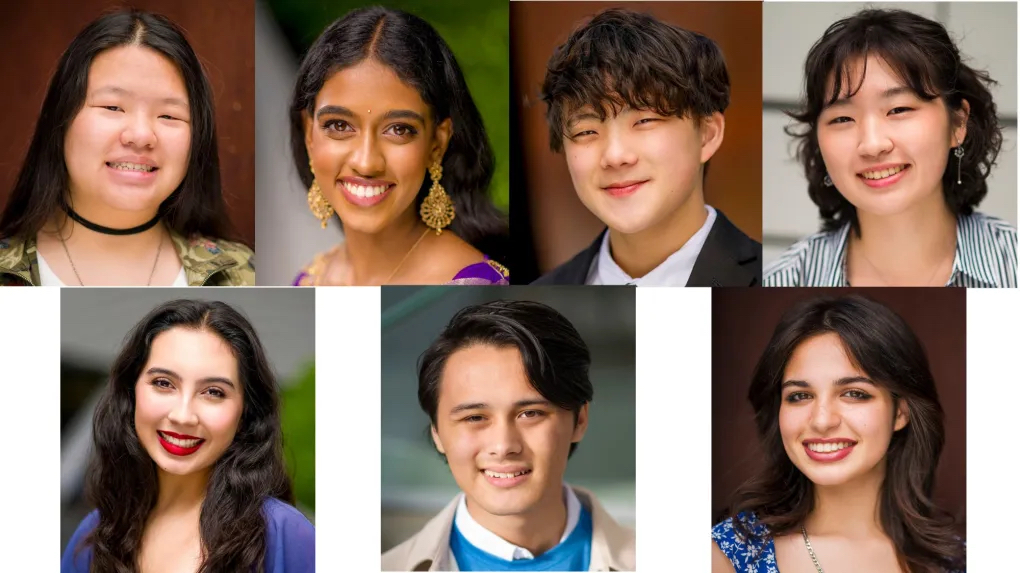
{"type": "Point", "coordinates": [728, 258]}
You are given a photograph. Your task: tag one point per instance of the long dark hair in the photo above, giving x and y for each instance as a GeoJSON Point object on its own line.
{"type": "Point", "coordinates": [418, 55]}
{"type": "Point", "coordinates": [122, 482]}
{"type": "Point", "coordinates": [196, 207]}
{"type": "Point", "coordinates": [882, 344]}
{"type": "Point", "coordinates": [925, 58]}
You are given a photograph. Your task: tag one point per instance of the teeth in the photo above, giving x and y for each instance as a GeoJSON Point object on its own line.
{"type": "Point", "coordinates": [883, 173]}
{"type": "Point", "coordinates": [180, 443]}
{"type": "Point", "coordinates": [364, 191]}
{"type": "Point", "coordinates": [825, 448]}
{"type": "Point", "coordinates": [505, 476]}
{"type": "Point", "coordinates": [132, 166]}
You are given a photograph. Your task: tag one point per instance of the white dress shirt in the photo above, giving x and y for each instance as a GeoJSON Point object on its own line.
{"type": "Point", "coordinates": [674, 271]}
{"type": "Point", "coordinates": [493, 544]}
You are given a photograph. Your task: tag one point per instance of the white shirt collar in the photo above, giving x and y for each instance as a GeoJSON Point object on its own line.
{"type": "Point", "coordinates": [493, 544]}
{"type": "Point", "coordinates": [674, 271]}
{"type": "Point", "coordinates": [49, 278]}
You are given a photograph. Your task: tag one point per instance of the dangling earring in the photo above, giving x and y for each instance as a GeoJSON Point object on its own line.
{"type": "Point", "coordinates": [437, 209]}
{"type": "Point", "coordinates": [827, 181]}
{"type": "Point", "coordinates": [958, 152]}
{"type": "Point", "coordinates": [317, 202]}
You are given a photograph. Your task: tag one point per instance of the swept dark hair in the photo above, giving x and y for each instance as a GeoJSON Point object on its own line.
{"type": "Point", "coordinates": [196, 207]}
{"type": "Point", "coordinates": [881, 344]}
{"type": "Point", "coordinates": [413, 49]}
{"type": "Point", "coordinates": [122, 481]}
{"type": "Point", "coordinates": [922, 54]}
{"type": "Point", "coordinates": [625, 58]}
{"type": "Point", "coordinates": [554, 354]}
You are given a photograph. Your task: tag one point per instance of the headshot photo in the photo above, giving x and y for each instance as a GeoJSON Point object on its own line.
{"type": "Point", "coordinates": [636, 137]}
{"type": "Point", "coordinates": [839, 430]}
{"type": "Point", "coordinates": [382, 147]}
{"type": "Point", "coordinates": [508, 429]}
{"type": "Point", "coordinates": [187, 431]}
{"type": "Point", "coordinates": [129, 159]}
{"type": "Point", "coordinates": [890, 144]}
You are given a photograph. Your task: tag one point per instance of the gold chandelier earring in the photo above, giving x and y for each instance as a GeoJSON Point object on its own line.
{"type": "Point", "coordinates": [317, 202]}
{"type": "Point", "coordinates": [437, 209]}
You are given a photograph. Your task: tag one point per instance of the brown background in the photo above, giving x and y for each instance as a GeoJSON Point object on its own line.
{"type": "Point", "coordinates": [34, 34]}
{"type": "Point", "coordinates": [742, 323]}
{"type": "Point", "coordinates": [545, 209]}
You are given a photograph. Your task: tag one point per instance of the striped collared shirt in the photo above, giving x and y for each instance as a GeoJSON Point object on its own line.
{"type": "Point", "coordinates": [986, 256]}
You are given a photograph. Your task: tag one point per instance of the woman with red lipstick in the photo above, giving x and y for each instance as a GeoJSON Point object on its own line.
{"type": "Point", "coordinates": [384, 134]}
{"type": "Point", "coordinates": [187, 470]}
{"type": "Point", "coordinates": [897, 138]}
{"type": "Point", "coordinates": [852, 429]}
{"type": "Point", "coordinates": [121, 183]}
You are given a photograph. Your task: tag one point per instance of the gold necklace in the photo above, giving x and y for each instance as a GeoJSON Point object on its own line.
{"type": "Point", "coordinates": [405, 257]}
{"type": "Point", "coordinates": [329, 264]}
{"type": "Point", "coordinates": [74, 269]}
{"type": "Point", "coordinates": [811, 552]}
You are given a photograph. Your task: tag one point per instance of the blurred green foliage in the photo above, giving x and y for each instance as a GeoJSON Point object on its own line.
{"type": "Point", "coordinates": [298, 420]}
{"type": "Point", "coordinates": [477, 31]}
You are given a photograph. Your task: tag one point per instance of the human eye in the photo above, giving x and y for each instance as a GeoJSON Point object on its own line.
{"type": "Point", "coordinates": [839, 120]}
{"type": "Point", "coordinates": [403, 130]}
{"type": "Point", "coordinates": [216, 392]}
{"type": "Point", "coordinates": [473, 418]}
{"type": "Point", "coordinates": [532, 414]}
{"type": "Point", "coordinates": [161, 383]}
{"type": "Point", "coordinates": [794, 397]}
{"type": "Point", "coordinates": [859, 395]}
{"type": "Point", "coordinates": [582, 134]}
{"type": "Point", "coordinates": [337, 126]}
{"type": "Point", "coordinates": [647, 120]}
{"type": "Point", "coordinates": [900, 110]}
{"type": "Point", "coordinates": [111, 107]}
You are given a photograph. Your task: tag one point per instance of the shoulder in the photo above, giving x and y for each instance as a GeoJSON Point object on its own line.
{"type": "Point", "coordinates": [978, 226]}
{"type": "Point", "coordinates": [807, 260]}
{"type": "Point", "coordinates": [77, 557]}
{"type": "Point", "coordinates": [15, 254]}
{"type": "Point", "coordinates": [311, 273]}
{"type": "Point", "coordinates": [485, 272]}
{"type": "Point", "coordinates": [430, 544]}
{"type": "Point", "coordinates": [290, 538]}
{"type": "Point", "coordinates": [575, 270]}
{"type": "Point", "coordinates": [750, 554]}
{"type": "Point", "coordinates": [283, 516]}
{"type": "Point", "coordinates": [207, 255]}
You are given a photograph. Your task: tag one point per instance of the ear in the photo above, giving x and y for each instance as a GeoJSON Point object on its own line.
{"type": "Point", "coordinates": [960, 118]}
{"type": "Point", "coordinates": [306, 118]}
{"type": "Point", "coordinates": [712, 129]}
{"type": "Point", "coordinates": [902, 415]}
{"type": "Point", "coordinates": [581, 426]}
{"type": "Point", "coordinates": [437, 441]}
{"type": "Point", "coordinates": [441, 139]}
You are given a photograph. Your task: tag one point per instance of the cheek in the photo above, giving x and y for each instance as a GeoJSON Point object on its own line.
{"type": "Point", "coordinates": [222, 419]}
{"type": "Point", "coordinates": [176, 143]}
{"type": "Point", "coordinates": [149, 409]}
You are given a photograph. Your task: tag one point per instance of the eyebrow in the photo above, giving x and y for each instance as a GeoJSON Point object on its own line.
{"type": "Point", "coordinates": [482, 405]}
{"type": "Point", "coordinates": [123, 92]}
{"type": "Point", "coordinates": [392, 114]}
{"type": "Point", "coordinates": [207, 380]}
{"type": "Point", "coordinates": [889, 93]}
{"type": "Point", "coordinates": [579, 117]}
{"type": "Point", "coordinates": [845, 381]}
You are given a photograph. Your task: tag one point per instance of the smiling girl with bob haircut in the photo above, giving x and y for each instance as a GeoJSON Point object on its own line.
{"type": "Point", "coordinates": [851, 428]}
{"type": "Point", "coordinates": [384, 133]}
{"type": "Point", "coordinates": [121, 183]}
{"type": "Point", "coordinates": [897, 138]}
{"type": "Point", "coordinates": [187, 462]}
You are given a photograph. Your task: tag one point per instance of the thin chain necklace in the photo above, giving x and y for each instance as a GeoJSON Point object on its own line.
{"type": "Point", "coordinates": [152, 273]}
{"type": "Point", "coordinates": [926, 283]}
{"type": "Point", "coordinates": [811, 552]}
{"type": "Point", "coordinates": [329, 265]}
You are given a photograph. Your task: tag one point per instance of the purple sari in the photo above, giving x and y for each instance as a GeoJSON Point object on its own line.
{"type": "Point", "coordinates": [486, 272]}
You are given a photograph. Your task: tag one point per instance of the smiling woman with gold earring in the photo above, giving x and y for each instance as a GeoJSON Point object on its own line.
{"type": "Point", "coordinates": [395, 147]}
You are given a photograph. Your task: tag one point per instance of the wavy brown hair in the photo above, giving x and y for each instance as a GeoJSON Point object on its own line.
{"type": "Point", "coordinates": [122, 482]}
{"type": "Point", "coordinates": [882, 344]}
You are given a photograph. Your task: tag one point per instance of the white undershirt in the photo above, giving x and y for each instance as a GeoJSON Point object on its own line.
{"type": "Point", "coordinates": [493, 544]}
{"type": "Point", "coordinates": [49, 278]}
{"type": "Point", "coordinates": [674, 271]}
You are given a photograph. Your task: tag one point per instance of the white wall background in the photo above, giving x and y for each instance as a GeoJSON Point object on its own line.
{"type": "Point", "coordinates": [986, 33]}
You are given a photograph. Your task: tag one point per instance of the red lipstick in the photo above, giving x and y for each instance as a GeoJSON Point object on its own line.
{"type": "Point", "coordinates": [174, 449]}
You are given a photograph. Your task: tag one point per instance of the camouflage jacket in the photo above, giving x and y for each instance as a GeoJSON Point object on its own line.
{"type": "Point", "coordinates": [206, 262]}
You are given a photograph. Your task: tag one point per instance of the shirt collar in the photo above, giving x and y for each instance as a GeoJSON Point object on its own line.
{"type": "Point", "coordinates": [487, 541]}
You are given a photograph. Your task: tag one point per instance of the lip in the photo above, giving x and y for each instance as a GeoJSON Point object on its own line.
{"type": "Point", "coordinates": [624, 188]}
{"type": "Point", "coordinates": [829, 456]}
{"type": "Point", "coordinates": [132, 177]}
{"type": "Point", "coordinates": [178, 450]}
{"type": "Point", "coordinates": [364, 201]}
{"type": "Point", "coordinates": [892, 180]}
{"type": "Point", "coordinates": [507, 482]}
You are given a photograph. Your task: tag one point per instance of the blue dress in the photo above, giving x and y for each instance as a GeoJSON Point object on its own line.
{"type": "Point", "coordinates": [755, 555]}
{"type": "Point", "coordinates": [290, 541]}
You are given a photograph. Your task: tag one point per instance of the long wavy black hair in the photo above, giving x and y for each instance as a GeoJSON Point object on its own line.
{"type": "Point", "coordinates": [418, 55]}
{"type": "Point", "coordinates": [196, 207]}
{"type": "Point", "coordinates": [882, 344]}
{"type": "Point", "coordinates": [927, 60]}
{"type": "Point", "coordinates": [122, 481]}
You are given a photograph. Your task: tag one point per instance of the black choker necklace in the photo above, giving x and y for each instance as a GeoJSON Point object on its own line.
{"type": "Point", "coordinates": [109, 231]}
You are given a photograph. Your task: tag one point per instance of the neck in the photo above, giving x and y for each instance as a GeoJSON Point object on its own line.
{"type": "Point", "coordinates": [908, 248]}
{"type": "Point", "coordinates": [537, 531]}
{"type": "Point", "coordinates": [851, 509]}
{"type": "Point", "coordinates": [639, 253]}
{"type": "Point", "coordinates": [106, 216]}
{"type": "Point", "coordinates": [82, 240]}
{"type": "Point", "coordinates": [181, 493]}
{"type": "Point", "coordinates": [374, 256]}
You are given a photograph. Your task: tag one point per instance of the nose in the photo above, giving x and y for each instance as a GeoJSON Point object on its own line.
{"type": "Point", "coordinates": [824, 416]}
{"type": "Point", "coordinates": [504, 440]}
{"type": "Point", "coordinates": [874, 138]}
{"type": "Point", "coordinates": [138, 132]}
{"type": "Point", "coordinates": [367, 159]}
{"type": "Point", "coordinates": [617, 151]}
{"type": "Point", "coordinates": [183, 413]}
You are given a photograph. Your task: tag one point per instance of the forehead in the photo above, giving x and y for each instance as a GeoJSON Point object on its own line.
{"type": "Point", "coordinates": [485, 374]}
{"type": "Point", "coordinates": [370, 85]}
{"type": "Point", "coordinates": [865, 77]}
{"type": "Point", "coordinates": [821, 359]}
{"type": "Point", "coordinates": [137, 71]}
{"type": "Point", "coordinates": [192, 353]}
